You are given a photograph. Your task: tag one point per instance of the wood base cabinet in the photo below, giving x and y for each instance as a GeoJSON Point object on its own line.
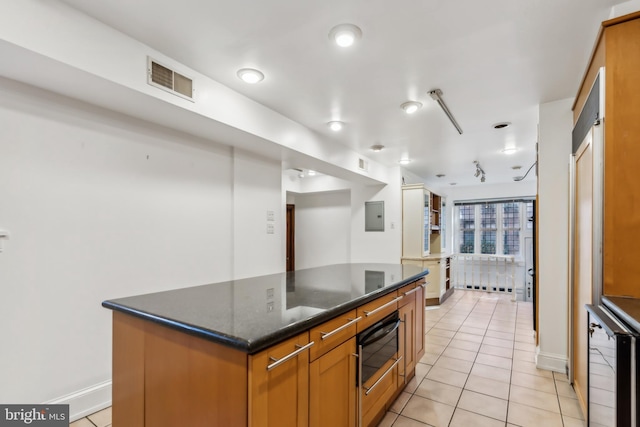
{"type": "Point", "coordinates": [407, 336]}
{"type": "Point", "coordinates": [163, 377]}
{"type": "Point", "coordinates": [332, 387]}
{"type": "Point", "coordinates": [279, 385]}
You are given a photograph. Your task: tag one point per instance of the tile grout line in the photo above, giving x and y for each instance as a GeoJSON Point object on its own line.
{"type": "Point", "coordinates": [474, 360]}
{"type": "Point", "coordinates": [469, 312]}
{"type": "Point", "coordinates": [478, 352]}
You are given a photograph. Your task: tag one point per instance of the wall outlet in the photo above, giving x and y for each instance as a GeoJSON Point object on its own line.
{"type": "Point", "coordinates": [270, 293]}
{"type": "Point", "coordinates": [271, 216]}
{"type": "Point", "coordinates": [271, 229]}
{"type": "Point", "coordinates": [269, 307]}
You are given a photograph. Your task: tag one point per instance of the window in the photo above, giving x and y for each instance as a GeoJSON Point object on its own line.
{"type": "Point", "coordinates": [511, 228]}
{"type": "Point", "coordinates": [492, 228]}
{"type": "Point", "coordinates": [488, 226]}
{"type": "Point", "coordinates": [529, 215]}
{"type": "Point", "coordinates": [467, 229]}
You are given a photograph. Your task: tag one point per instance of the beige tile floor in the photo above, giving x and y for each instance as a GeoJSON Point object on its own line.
{"type": "Point", "coordinates": [478, 370]}
{"type": "Point", "coordinates": [99, 419]}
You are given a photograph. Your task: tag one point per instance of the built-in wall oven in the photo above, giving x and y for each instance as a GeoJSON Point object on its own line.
{"type": "Point", "coordinates": [611, 370]}
{"type": "Point", "coordinates": [377, 345]}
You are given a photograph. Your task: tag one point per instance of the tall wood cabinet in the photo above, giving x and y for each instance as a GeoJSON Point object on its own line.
{"type": "Point", "coordinates": [618, 51]}
{"type": "Point", "coordinates": [606, 220]}
{"type": "Point", "coordinates": [416, 221]}
{"type": "Point", "coordinates": [424, 238]}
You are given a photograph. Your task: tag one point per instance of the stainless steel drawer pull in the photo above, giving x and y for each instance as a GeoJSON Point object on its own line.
{"type": "Point", "coordinates": [369, 313]}
{"type": "Point", "coordinates": [411, 291]}
{"type": "Point", "coordinates": [325, 335]}
{"type": "Point", "coordinates": [370, 389]}
{"type": "Point", "coordinates": [278, 362]}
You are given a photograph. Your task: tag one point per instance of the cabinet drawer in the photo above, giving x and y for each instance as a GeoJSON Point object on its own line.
{"type": "Point", "coordinates": [281, 354]}
{"type": "Point", "coordinates": [376, 310]}
{"type": "Point", "coordinates": [408, 294]}
{"type": "Point", "coordinates": [380, 394]}
{"type": "Point", "coordinates": [333, 333]}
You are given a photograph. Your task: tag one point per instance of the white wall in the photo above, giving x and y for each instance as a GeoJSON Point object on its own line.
{"type": "Point", "coordinates": [256, 190]}
{"type": "Point", "coordinates": [386, 246]}
{"type": "Point", "coordinates": [101, 206]}
{"type": "Point", "coordinates": [322, 232]}
{"type": "Point", "coordinates": [556, 123]}
{"type": "Point", "coordinates": [624, 8]}
{"type": "Point", "coordinates": [378, 246]}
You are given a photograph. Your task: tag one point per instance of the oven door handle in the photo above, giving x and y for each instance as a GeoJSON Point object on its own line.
{"type": "Point", "coordinates": [364, 341]}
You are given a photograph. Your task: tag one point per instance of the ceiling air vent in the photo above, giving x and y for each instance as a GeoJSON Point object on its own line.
{"type": "Point", "coordinates": [165, 78]}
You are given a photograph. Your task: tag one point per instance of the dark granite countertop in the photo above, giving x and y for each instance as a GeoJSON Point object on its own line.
{"type": "Point", "coordinates": [626, 308]}
{"type": "Point", "coordinates": [255, 313]}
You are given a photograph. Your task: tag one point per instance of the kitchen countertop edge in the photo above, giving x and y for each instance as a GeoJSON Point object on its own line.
{"type": "Point", "coordinates": [254, 346]}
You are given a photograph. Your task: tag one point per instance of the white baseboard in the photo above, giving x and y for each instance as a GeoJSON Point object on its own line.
{"type": "Point", "coordinates": [86, 401]}
{"type": "Point", "coordinates": [551, 362]}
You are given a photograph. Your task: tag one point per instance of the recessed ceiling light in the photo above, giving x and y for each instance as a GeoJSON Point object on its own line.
{"type": "Point", "coordinates": [250, 75]}
{"type": "Point", "coordinates": [377, 147]}
{"type": "Point", "coordinates": [404, 161]}
{"type": "Point", "coordinates": [311, 172]}
{"type": "Point", "coordinates": [411, 107]}
{"type": "Point", "coordinates": [336, 125]}
{"type": "Point", "coordinates": [515, 168]}
{"type": "Point", "coordinates": [345, 35]}
{"type": "Point", "coordinates": [440, 175]}
{"type": "Point", "coordinates": [501, 125]}
{"type": "Point", "coordinates": [509, 150]}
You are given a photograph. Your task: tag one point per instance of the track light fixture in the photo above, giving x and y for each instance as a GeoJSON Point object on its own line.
{"type": "Point", "coordinates": [436, 94]}
{"type": "Point", "coordinates": [479, 172]}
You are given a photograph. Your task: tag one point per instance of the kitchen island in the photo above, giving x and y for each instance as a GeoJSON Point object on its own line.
{"type": "Point", "coordinates": [276, 350]}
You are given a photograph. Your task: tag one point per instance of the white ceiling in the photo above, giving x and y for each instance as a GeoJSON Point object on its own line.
{"type": "Point", "coordinates": [494, 60]}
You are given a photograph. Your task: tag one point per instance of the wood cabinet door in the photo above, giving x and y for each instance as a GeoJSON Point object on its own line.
{"type": "Point", "coordinates": [419, 346]}
{"type": "Point", "coordinates": [279, 397]}
{"type": "Point", "coordinates": [407, 341]}
{"type": "Point", "coordinates": [583, 262]}
{"type": "Point", "coordinates": [432, 291]}
{"type": "Point", "coordinates": [332, 388]}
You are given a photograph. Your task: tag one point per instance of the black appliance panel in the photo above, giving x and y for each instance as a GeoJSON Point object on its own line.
{"type": "Point", "coordinates": [379, 345]}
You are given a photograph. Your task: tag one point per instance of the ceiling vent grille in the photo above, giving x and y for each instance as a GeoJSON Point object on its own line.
{"type": "Point", "coordinates": [165, 78]}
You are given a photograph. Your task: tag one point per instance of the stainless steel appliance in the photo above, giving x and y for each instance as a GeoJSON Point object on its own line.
{"type": "Point", "coordinates": [378, 344]}
{"type": "Point", "coordinates": [611, 370]}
